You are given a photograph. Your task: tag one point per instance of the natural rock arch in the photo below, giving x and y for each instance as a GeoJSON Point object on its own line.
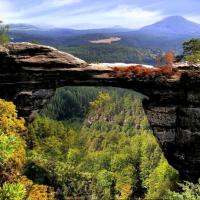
{"type": "Point", "coordinates": [30, 74]}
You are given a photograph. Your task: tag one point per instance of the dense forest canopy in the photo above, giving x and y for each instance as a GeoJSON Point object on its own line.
{"type": "Point", "coordinates": [107, 153]}
{"type": "Point", "coordinates": [104, 157]}
{"type": "Point", "coordinates": [112, 54]}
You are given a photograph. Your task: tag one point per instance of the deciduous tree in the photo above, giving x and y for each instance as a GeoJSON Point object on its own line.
{"type": "Point", "coordinates": [169, 57]}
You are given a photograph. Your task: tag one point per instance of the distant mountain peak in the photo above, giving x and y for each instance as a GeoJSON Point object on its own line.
{"type": "Point", "coordinates": [173, 25]}
{"type": "Point", "coordinates": [175, 17]}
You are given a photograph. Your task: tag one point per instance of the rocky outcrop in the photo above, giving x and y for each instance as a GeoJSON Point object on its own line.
{"type": "Point", "coordinates": [29, 75]}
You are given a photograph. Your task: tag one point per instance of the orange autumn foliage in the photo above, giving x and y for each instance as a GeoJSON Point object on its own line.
{"type": "Point", "coordinates": [9, 121]}
{"type": "Point", "coordinates": [10, 124]}
{"type": "Point", "coordinates": [41, 192]}
{"type": "Point", "coordinates": [140, 71]}
{"type": "Point", "coordinates": [169, 57]}
{"type": "Point", "coordinates": [35, 191]}
{"type": "Point", "coordinates": [125, 192]}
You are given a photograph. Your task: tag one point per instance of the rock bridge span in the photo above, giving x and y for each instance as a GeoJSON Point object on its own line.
{"type": "Point", "coordinates": [30, 74]}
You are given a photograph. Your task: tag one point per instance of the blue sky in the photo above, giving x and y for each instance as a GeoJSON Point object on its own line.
{"type": "Point", "coordinates": [96, 13]}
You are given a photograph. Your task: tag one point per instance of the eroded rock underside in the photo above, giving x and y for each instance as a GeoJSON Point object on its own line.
{"type": "Point", "coordinates": [30, 74]}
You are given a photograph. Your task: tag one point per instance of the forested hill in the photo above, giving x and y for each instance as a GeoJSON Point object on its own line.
{"type": "Point", "coordinates": [112, 54]}
{"type": "Point", "coordinates": [107, 153]}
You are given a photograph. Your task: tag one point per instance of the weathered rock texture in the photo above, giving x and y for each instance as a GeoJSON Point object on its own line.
{"type": "Point", "coordinates": [30, 74]}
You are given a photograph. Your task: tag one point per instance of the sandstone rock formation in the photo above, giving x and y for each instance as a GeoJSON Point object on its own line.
{"type": "Point", "coordinates": [30, 74]}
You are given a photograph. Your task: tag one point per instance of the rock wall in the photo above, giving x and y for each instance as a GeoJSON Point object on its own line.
{"type": "Point", "coordinates": [175, 120]}
{"type": "Point", "coordinates": [30, 74]}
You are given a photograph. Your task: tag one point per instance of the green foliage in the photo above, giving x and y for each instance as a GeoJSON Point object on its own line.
{"type": "Point", "coordinates": [106, 156]}
{"type": "Point", "coordinates": [161, 178]}
{"type": "Point", "coordinates": [190, 191]}
{"type": "Point", "coordinates": [12, 146]}
{"type": "Point", "coordinates": [4, 37]}
{"type": "Point", "coordinates": [192, 51]}
{"type": "Point", "coordinates": [193, 59]}
{"type": "Point", "coordinates": [70, 103]}
{"type": "Point", "coordinates": [9, 144]}
{"type": "Point", "coordinates": [14, 191]}
{"type": "Point", "coordinates": [191, 47]}
{"type": "Point", "coordinates": [105, 185]}
{"type": "Point", "coordinates": [102, 99]}
{"type": "Point", "coordinates": [14, 186]}
{"type": "Point", "coordinates": [110, 53]}
{"type": "Point", "coordinates": [35, 42]}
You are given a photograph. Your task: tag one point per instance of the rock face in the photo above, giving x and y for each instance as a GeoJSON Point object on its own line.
{"type": "Point", "coordinates": [30, 74]}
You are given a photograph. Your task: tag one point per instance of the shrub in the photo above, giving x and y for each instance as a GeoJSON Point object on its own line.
{"type": "Point", "coordinates": [140, 71]}
{"type": "Point", "coordinates": [190, 192]}
{"type": "Point", "coordinates": [4, 37]}
{"type": "Point", "coordinates": [13, 191]}
{"type": "Point", "coordinates": [8, 146]}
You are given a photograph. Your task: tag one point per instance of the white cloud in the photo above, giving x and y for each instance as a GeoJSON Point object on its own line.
{"type": "Point", "coordinates": [121, 15]}
{"type": "Point", "coordinates": [58, 3]}
{"type": "Point", "coordinates": [194, 18]}
{"type": "Point", "coordinates": [48, 4]}
{"type": "Point", "coordinates": [5, 10]}
{"type": "Point", "coordinates": [133, 17]}
{"type": "Point", "coordinates": [9, 12]}
{"type": "Point", "coordinates": [51, 12]}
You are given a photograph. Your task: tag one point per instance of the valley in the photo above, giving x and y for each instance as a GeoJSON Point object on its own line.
{"type": "Point", "coordinates": [169, 31]}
